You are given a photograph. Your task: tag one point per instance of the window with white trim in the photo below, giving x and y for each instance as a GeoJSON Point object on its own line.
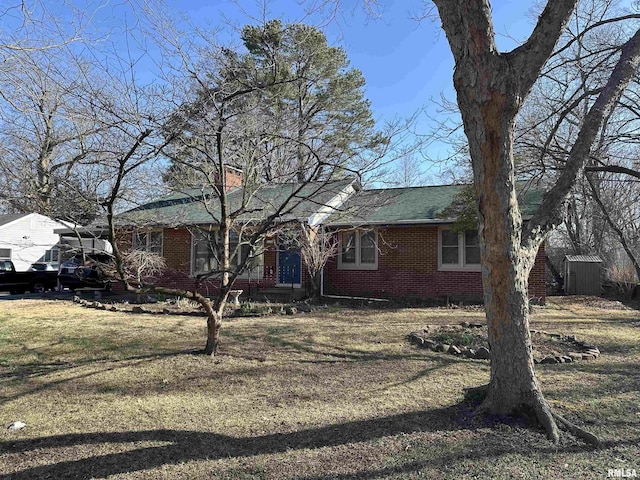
{"type": "Point", "coordinates": [358, 250]}
{"type": "Point", "coordinates": [205, 248]}
{"type": "Point", "coordinates": [52, 255]}
{"type": "Point", "coordinates": [458, 250]}
{"type": "Point", "coordinates": [148, 241]}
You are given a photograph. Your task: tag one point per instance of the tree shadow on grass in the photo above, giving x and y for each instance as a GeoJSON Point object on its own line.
{"type": "Point", "coordinates": [612, 379]}
{"type": "Point", "coordinates": [446, 461]}
{"type": "Point", "coordinates": [24, 371]}
{"type": "Point", "coordinates": [337, 352]}
{"type": "Point", "coordinates": [184, 446]}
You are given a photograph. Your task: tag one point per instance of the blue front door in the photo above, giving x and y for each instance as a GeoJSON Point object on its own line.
{"type": "Point", "coordinates": [289, 267]}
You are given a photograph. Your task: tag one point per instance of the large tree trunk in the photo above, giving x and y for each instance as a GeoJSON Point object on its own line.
{"type": "Point", "coordinates": [491, 87]}
{"type": "Point", "coordinates": [513, 387]}
{"type": "Point", "coordinates": [490, 90]}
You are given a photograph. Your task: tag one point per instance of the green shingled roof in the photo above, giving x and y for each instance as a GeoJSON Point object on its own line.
{"type": "Point", "coordinates": [195, 207]}
{"type": "Point", "coordinates": [412, 205]}
{"type": "Point", "coordinates": [375, 206]}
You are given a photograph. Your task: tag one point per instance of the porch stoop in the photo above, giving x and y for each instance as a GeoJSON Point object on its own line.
{"type": "Point", "coordinates": [276, 294]}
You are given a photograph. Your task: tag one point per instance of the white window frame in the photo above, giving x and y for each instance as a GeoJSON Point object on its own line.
{"type": "Point", "coordinates": [357, 265]}
{"type": "Point", "coordinates": [462, 265]}
{"type": "Point", "coordinates": [148, 233]}
{"type": "Point", "coordinates": [246, 274]}
{"type": "Point", "coordinates": [52, 255]}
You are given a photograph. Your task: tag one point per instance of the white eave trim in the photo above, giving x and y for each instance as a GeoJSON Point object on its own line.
{"type": "Point", "coordinates": [332, 205]}
{"type": "Point", "coordinates": [429, 221]}
{"type": "Point", "coordinates": [394, 222]}
{"type": "Point", "coordinates": [37, 215]}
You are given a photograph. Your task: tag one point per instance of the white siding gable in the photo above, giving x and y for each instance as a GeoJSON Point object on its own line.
{"type": "Point", "coordinates": [29, 237]}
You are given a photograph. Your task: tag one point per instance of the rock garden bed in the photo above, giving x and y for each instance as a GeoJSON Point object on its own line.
{"type": "Point", "coordinates": [469, 340]}
{"type": "Point", "coordinates": [149, 305]}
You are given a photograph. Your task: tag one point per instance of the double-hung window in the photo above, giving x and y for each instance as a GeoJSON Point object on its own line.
{"type": "Point", "coordinates": [148, 241]}
{"type": "Point", "coordinates": [358, 250]}
{"type": "Point", "coordinates": [459, 250]}
{"type": "Point", "coordinates": [241, 252]}
{"type": "Point", "coordinates": [207, 251]}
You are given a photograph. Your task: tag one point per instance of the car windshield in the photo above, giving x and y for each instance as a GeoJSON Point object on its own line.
{"type": "Point", "coordinates": [73, 262]}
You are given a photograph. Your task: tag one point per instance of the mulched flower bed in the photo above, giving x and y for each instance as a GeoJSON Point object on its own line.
{"type": "Point", "coordinates": [469, 340]}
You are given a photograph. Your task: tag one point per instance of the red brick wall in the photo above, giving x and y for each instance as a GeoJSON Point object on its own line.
{"type": "Point", "coordinates": [538, 277]}
{"type": "Point", "coordinates": [408, 268]}
{"type": "Point", "coordinates": [233, 178]}
{"type": "Point", "coordinates": [176, 249]}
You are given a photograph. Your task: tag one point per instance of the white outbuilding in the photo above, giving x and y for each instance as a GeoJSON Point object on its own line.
{"type": "Point", "coordinates": [26, 238]}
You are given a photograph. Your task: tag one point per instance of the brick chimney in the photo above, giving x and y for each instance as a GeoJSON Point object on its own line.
{"type": "Point", "coordinates": [233, 177]}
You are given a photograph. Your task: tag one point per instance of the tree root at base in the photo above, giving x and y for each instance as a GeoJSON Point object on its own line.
{"type": "Point", "coordinates": [588, 437]}
{"type": "Point", "coordinates": [549, 420]}
{"type": "Point", "coordinates": [476, 394]}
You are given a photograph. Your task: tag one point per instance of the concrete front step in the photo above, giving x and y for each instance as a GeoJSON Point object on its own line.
{"type": "Point", "coordinates": [276, 294]}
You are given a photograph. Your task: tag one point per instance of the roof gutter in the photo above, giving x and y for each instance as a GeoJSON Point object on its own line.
{"type": "Point", "coordinates": [392, 222]}
{"type": "Point", "coordinates": [429, 221]}
{"type": "Point", "coordinates": [83, 232]}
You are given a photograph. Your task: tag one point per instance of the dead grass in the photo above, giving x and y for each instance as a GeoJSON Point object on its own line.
{"type": "Point", "coordinates": [334, 394]}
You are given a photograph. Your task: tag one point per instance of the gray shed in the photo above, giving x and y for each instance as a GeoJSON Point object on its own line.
{"type": "Point", "coordinates": [582, 274]}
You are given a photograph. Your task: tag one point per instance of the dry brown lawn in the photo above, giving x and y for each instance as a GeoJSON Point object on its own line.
{"type": "Point", "coordinates": [339, 393]}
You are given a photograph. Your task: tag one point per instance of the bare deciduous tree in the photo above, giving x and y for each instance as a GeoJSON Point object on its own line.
{"type": "Point", "coordinates": [223, 129]}
{"type": "Point", "coordinates": [550, 121]}
{"type": "Point", "coordinates": [491, 87]}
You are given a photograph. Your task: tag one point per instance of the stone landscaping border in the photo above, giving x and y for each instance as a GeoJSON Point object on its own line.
{"type": "Point", "coordinates": [134, 309]}
{"type": "Point", "coordinates": [579, 350]}
{"type": "Point", "coordinates": [138, 309]}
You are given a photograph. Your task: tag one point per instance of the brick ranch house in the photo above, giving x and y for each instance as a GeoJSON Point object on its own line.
{"type": "Point", "coordinates": [417, 254]}
{"type": "Point", "coordinates": [392, 243]}
{"type": "Point", "coordinates": [182, 228]}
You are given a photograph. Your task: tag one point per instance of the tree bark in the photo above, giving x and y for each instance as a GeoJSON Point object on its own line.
{"type": "Point", "coordinates": [491, 87]}
{"type": "Point", "coordinates": [513, 387]}
{"type": "Point", "coordinates": [614, 169]}
{"type": "Point", "coordinates": [214, 325]}
{"type": "Point", "coordinates": [489, 104]}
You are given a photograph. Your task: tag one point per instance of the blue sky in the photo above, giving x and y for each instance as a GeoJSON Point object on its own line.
{"type": "Point", "coordinates": [407, 63]}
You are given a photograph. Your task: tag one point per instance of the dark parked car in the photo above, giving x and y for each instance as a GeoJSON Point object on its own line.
{"type": "Point", "coordinates": [44, 267]}
{"type": "Point", "coordinates": [77, 273]}
{"type": "Point", "coordinates": [19, 282]}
